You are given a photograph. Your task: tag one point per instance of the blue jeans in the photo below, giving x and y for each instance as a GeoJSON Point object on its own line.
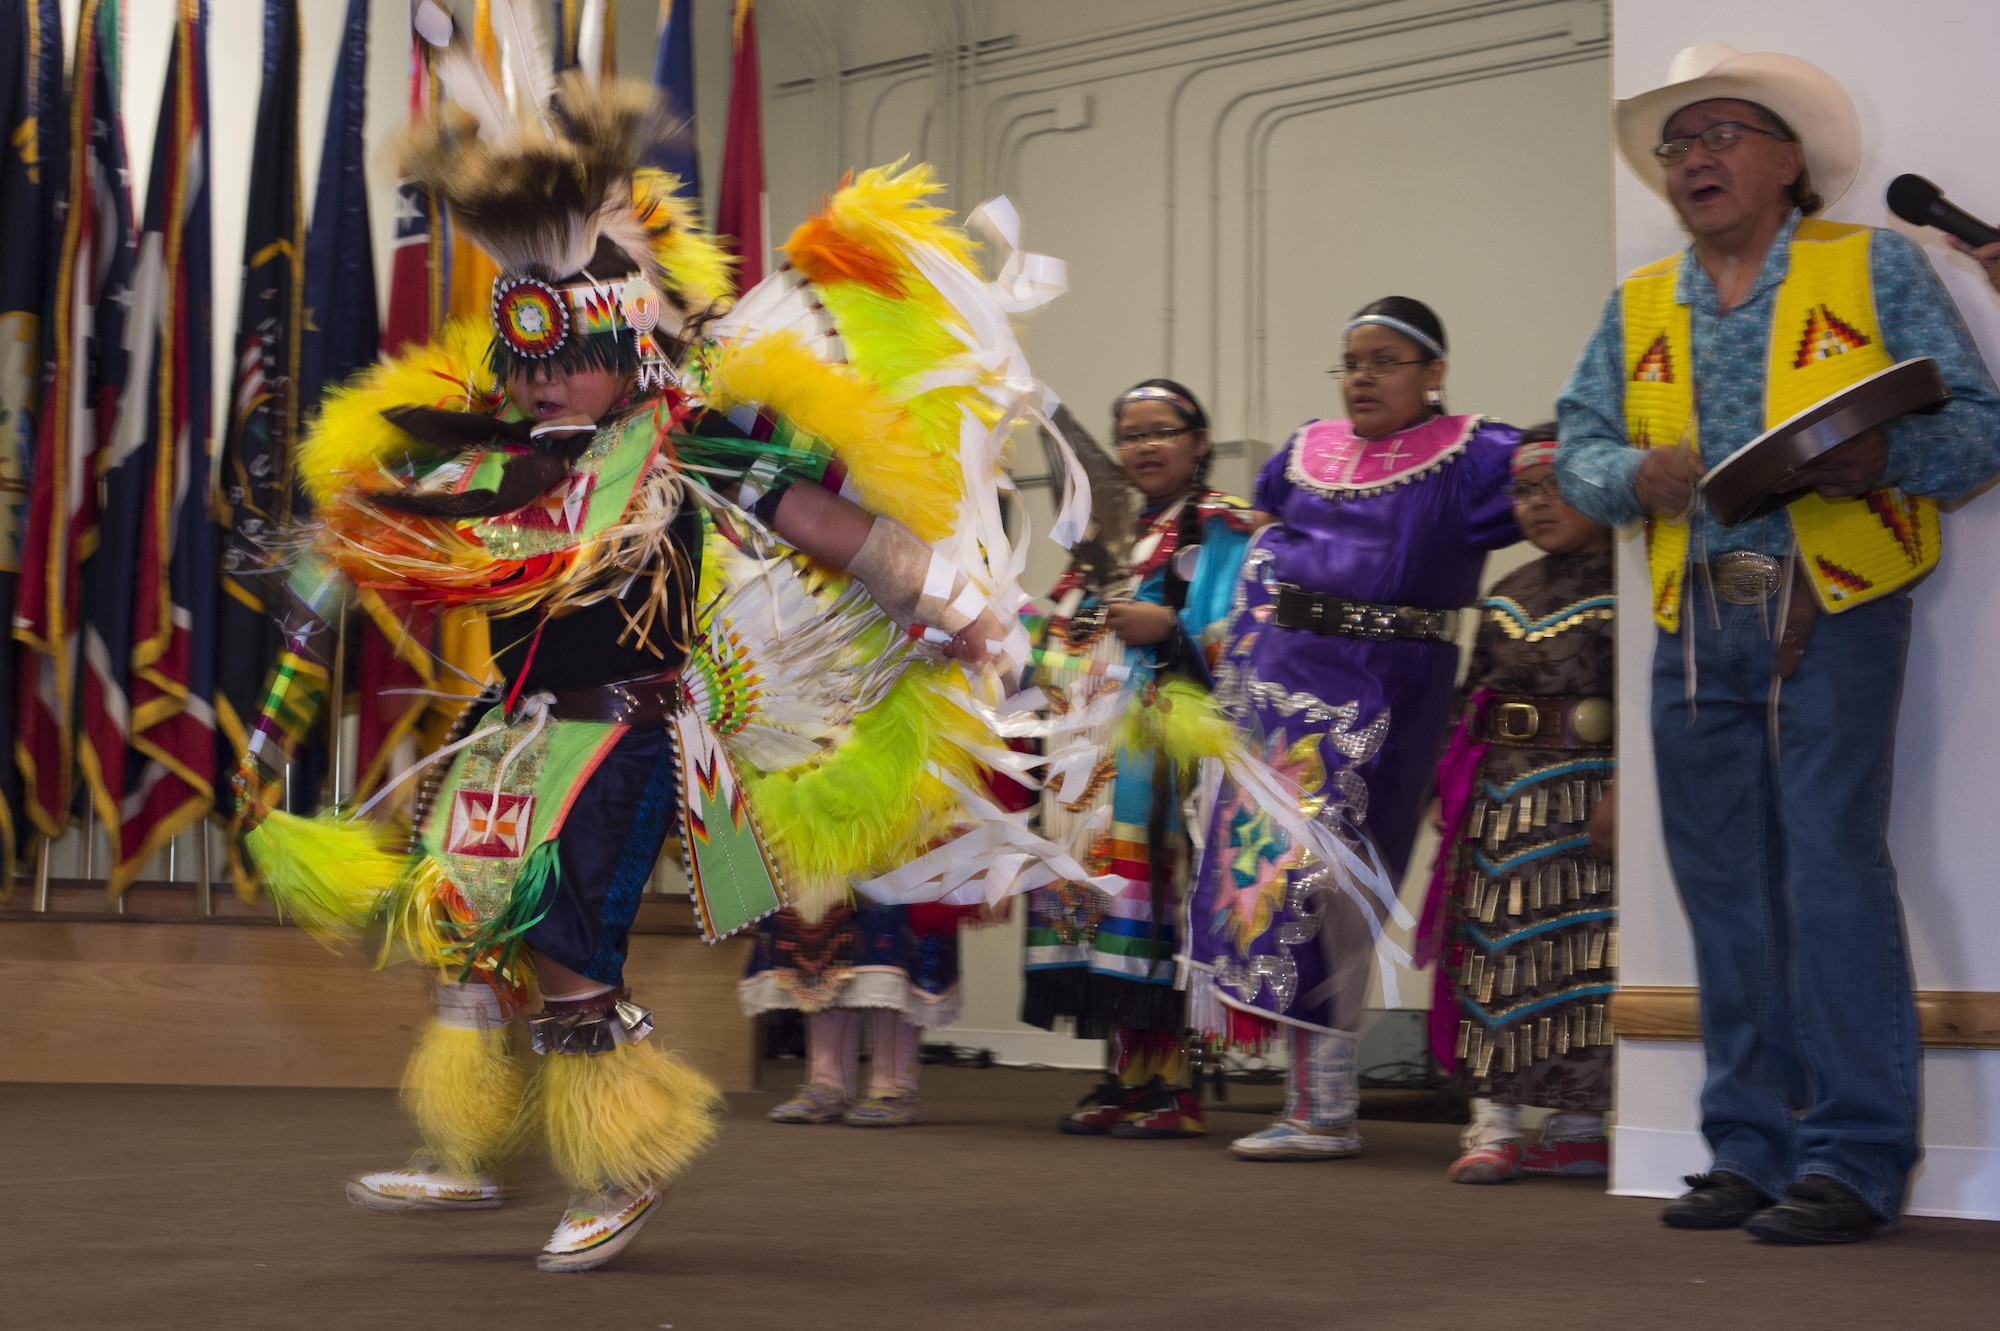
{"type": "Point", "coordinates": [1807, 1016]}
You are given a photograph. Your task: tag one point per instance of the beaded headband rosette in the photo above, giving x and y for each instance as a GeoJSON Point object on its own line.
{"type": "Point", "coordinates": [582, 324]}
{"type": "Point", "coordinates": [602, 262]}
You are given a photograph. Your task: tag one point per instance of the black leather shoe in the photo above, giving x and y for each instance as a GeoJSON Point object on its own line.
{"type": "Point", "coordinates": [1721, 1200]}
{"type": "Point", "coordinates": [1816, 1209]}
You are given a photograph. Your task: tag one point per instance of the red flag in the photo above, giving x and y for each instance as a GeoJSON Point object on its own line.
{"type": "Point", "coordinates": [739, 207]}
{"type": "Point", "coordinates": [172, 785]}
{"type": "Point", "coordinates": [86, 367]}
{"type": "Point", "coordinates": [416, 295]}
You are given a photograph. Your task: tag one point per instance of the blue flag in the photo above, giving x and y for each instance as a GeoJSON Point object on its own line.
{"type": "Point", "coordinates": [32, 151]}
{"type": "Point", "coordinates": [254, 486]}
{"type": "Point", "coordinates": [673, 75]}
{"type": "Point", "coordinates": [342, 330]}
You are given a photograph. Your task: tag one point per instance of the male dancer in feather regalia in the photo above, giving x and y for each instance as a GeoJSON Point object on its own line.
{"type": "Point", "coordinates": [694, 621]}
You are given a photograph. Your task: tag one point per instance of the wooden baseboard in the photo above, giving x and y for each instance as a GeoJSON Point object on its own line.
{"type": "Point", "coordinates": [193, 1000]}
{"type": "Point", "coordinates": [1947, 1018]}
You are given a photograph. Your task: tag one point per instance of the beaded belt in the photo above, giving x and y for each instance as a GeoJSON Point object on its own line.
{"type": "Point", "coordinates": [1297, 608]}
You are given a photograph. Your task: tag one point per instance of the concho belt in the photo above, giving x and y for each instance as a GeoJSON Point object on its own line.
{"type": "Point", "coordinates": [1549, 721]}
{"type": "Point", "coordinates": [1744, 577]}
{"type": "Point", "coordinates": [1297, 608]}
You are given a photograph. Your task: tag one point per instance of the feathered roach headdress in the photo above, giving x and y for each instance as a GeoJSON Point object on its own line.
{"type": "Point", "coordinates": [601, 262]}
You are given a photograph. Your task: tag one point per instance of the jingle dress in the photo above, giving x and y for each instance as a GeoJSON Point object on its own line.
{"type": "Point", "coordinates": [1355, 723]}
{"type": "Point", "coordinates": [1527, 973]}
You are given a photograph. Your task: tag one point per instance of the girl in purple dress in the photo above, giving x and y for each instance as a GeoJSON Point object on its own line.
{"type": "Point", "coordinates": [1341, 659]}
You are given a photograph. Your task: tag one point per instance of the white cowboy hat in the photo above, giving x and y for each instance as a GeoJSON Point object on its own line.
{"type": "Point", "coordinates": [1817, 108]}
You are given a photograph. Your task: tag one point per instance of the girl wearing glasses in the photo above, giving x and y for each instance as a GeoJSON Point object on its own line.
{"type": "Point", "coordinates": [1522, 889]}
{"type": "Point", "coordinates": [1340, 657]}
{"type": "Point", "coordinates": [1144, 596]}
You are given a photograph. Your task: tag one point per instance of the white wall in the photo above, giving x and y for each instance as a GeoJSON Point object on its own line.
{"type": "Point", "coordinates": [1228, 183]}
{"type": "Point", "coordinates": [1921, 74]}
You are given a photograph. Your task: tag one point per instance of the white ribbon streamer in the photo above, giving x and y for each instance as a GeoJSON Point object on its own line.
{"type": "Point", "coordinates": [1025, 281]}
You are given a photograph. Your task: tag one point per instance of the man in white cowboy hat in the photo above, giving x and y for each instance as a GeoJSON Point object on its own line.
{"type": "Point", "coordinates": [1775, 800]}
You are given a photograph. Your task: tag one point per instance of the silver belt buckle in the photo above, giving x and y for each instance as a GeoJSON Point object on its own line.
{"type": "Point", "coordinates": [1744, 577]}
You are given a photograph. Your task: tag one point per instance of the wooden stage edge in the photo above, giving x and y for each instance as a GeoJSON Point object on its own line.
{"type": "Point", "coordinates": [1946, 1018]}
{"type": "Point", "coordinates": [162, 996]}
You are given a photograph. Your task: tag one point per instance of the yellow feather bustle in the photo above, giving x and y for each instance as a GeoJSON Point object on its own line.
{"type": "Point", "coordinates": [886, 208]}
{"type": "Point", "coordinates": [894, 469]}
{"type": "Point", "coordinates": [875, 801]}
{"type": "Point", "coordinates": [633, 1118]}
{"type": "Point", "coordinates": [350, 443]}
{"type": "Point", "coordinates": [861, 251]}
{"type": "Point", "coordinates": [463, 1089]}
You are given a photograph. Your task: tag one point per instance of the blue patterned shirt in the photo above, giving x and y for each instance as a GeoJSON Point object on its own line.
{"type": "Point", "coordinates": [1943, 456]}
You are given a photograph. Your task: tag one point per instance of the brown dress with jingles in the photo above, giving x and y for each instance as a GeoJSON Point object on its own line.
{"type": "Point", "coordinates": [1533, 948]}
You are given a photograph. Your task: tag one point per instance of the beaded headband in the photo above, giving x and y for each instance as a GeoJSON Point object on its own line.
{"type": "Point", "coordinates": [1411, 331]}
{"type": "Point", "coordinates": [1539, 454]}
{"type": "Point", "coordinates": [536, 320]}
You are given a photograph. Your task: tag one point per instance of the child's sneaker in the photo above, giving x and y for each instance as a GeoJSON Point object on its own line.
{"type": "Point", "coordinates": [814, 1103]}
{"type": "Point", "coordinates": [1289, 1139]}
{"type": "Point", "coordinates": [1579, 1157]}
{"type": "Point", "coordinates": [1495, 1162]}
{"type": "Point", "coordinates": [885, 1111]}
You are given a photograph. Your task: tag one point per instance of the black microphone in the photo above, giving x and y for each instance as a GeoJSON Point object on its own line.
{"type": "Point", "coordinates": [1921, 203]}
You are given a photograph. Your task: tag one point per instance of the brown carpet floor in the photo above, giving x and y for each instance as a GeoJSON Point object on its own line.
{"type": "Point", "coordinates": [150, 1207]}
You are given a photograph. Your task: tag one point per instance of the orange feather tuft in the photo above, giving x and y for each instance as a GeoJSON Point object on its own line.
{"type": "Point", "coordinates": [823, 255]}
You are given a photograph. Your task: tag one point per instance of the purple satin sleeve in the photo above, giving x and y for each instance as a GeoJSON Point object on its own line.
{"type": "Point", "coordinates": [1489, 466]}
{"type": "Point", "coordinates": [1422, 542]}
{"type": "Point", "coordinates": [1273, 485]}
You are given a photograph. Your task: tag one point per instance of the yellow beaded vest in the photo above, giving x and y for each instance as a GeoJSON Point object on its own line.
{"type": "Point", "coordinates": [1824, 337]}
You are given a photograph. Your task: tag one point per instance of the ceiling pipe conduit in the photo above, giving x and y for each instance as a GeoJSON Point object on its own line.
{"type": "Point", "coordinates": [1427, 20]}
{"type": "Point", "coordinates": [1257, 241]}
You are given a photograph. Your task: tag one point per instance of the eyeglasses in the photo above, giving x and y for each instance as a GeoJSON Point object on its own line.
{"type": "Point", "coordinates": [1522, 492]}
{"type": "Point", "coordinates": [1719, 137]}
{"type": "Point", "coordinates": [1374, 369]}
{"type": "Point", "coordinates": [1166, 434]}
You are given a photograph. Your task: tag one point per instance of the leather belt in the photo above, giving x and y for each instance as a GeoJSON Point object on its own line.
{"type": "Point", "coordinates": [1744, 577]}
{"type": "Point", "coordinates": [1297, 608]}
{"type": "Point", "coordinates": [644, 704]}
{"type": "Point", "coordinates": [1549, 721]}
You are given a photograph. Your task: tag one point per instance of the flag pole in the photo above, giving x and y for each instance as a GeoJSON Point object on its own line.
{"type": "Point", "coordinates": [337, 699]}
